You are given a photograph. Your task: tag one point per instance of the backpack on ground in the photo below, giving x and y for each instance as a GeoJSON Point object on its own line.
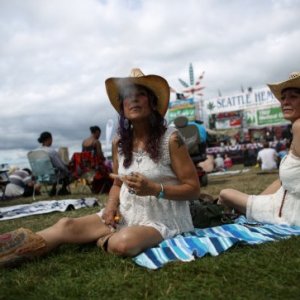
{"type": "Point", "coordinates": [207, 213]}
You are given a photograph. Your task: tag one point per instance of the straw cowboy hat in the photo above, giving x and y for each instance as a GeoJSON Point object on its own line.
{"type": "Point", "coordinates": [158, 85]}
{"type": "Point", "coordinates": [292, 82]}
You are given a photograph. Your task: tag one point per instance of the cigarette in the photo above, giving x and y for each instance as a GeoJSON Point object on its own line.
{"type": "Point", "coordinates": [116, 176]}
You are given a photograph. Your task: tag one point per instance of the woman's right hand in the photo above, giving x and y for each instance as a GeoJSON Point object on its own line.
{"type": "Point", "coordinates": [110, 217]}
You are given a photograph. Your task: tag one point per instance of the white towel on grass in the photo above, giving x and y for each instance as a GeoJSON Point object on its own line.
{"type": "Point", "coordinates": [44, 207]}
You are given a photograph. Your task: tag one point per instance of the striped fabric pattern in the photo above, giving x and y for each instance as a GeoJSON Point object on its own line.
{"type": "Point", "coordinates": [213, 241]}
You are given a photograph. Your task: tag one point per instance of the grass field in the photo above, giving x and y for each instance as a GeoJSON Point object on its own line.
{"type": "Point", "coordinates": [268, 271]}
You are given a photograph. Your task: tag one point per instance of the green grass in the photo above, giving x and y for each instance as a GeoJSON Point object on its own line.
{"type": "Point", "coordinates": [267, 271]}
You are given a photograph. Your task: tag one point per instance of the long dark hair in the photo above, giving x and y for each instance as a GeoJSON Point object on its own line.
{"type": "Point", "coordinates": [157, 129]}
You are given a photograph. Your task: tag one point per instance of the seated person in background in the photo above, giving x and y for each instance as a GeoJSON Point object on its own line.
{"type": "Point", "coordinates": [92, 164]}
{"type": "Point", "coordinates": [202, 133]}
{"type": "Point", "coordinates": [4, 180]}
{"type": "Point", "coordinates": [283, 151]}
{"type": "Point", "coordinates": [287, 134]}
{"type": "Point", "coordinates": [208, 164]}
{"type": "Point", "coordinates": [201, 129]}
{"type": "Point", "coordinates": [46, 140]}
{"type": "Point", "coordinates": [280, 202]}
{"type": "Point", "coordinates": [267, 158]}
{"type": "Point", "coordinates": [219, 163]}
{"type": "Point", "coordinates": [92, 143]}
{"type": "Point", "coordinates": [249, 155]}
{"type": "Point", "coordinates": [21, 184]}
{"type": "Point", "coordinates": [227, 161]}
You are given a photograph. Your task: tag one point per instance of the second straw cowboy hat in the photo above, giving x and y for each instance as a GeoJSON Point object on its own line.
{"type": "Point", "coordinates": [157, 84]}
{"type": "Point", "coordinates": [292, 82]}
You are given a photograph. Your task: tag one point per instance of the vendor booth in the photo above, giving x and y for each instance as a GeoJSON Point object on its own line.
{"type": "Point", "coordinates": [256, 114]}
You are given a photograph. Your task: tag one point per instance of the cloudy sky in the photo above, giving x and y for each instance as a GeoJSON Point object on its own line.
{"type": "Point", "coordinates": [55, 56]}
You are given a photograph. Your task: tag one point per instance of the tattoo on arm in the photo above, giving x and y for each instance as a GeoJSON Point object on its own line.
{"type": "Point", "coordinates": [179, 140]}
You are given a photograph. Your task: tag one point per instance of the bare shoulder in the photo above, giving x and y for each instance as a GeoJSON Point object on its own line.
{"type": "Point", "coordinates": [296, 127]}
{"type": "Point", "coordinates": [295, 147]}
{"type": "Point", "coordinates": [96, 142]}
{"type": "Point", "coordinates": [296, 132]}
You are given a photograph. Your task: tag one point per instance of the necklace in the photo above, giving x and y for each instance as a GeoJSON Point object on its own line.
{"type": "Point", "coordinates": [139, 156]}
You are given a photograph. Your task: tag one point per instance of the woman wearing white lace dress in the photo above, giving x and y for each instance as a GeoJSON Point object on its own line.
{"type": "Point", "coordinates": [154, 178]}
{"type": "Point", "coordinates": [280, 202]}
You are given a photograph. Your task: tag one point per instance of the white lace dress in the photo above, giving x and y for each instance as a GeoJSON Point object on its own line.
{"type": "Point", "coordinates": [168, 216]}
{"type": "Point", "coordinates": [272, 208]}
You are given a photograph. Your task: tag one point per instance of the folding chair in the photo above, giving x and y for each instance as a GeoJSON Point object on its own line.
{"type": "Point", "coordinates": [42, 168]}
{"type": "Point", "coordinates": [190, 133]}
{"type": "Point", "coordinates": [196, 148]}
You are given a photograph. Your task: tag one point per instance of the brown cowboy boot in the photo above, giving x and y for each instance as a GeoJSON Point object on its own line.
{"type": "Point", "coordinates": [19, 245]}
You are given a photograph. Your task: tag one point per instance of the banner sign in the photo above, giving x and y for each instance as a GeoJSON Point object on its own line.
{"type": "Point", "coordinates": [251, 117]}
{"type": "Point", "coordinates": [187, 111]}
{"type": "Point", "coordinates": [228, 123]}
{"type": "Point", "coordinates": [242, 101]}
{"type": "Point", "coordinates": [270, 116]}
{"type": "Point", "coordinates": [184, 107]}
{"type": "Point", "coordinates": [178, 103]}
{"type": "Point", "coordinates": [265, 117]}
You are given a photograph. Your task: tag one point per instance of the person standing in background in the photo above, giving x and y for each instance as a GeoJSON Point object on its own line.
{"type": "Point", "coordinates": [267, 158]}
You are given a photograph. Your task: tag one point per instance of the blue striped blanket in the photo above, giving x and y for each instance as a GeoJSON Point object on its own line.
{"type": "Point", "coordinates": [215, 240]}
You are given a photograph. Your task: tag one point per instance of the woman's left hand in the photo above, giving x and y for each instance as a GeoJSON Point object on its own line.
{"type": "Point", "coordinates": [140, 185]}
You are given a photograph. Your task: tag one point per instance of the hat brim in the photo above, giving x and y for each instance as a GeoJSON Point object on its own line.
{"type": "Point", "coordinates": [277, 88]}
{"type": "Point", "coordinates": [157, 84]}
